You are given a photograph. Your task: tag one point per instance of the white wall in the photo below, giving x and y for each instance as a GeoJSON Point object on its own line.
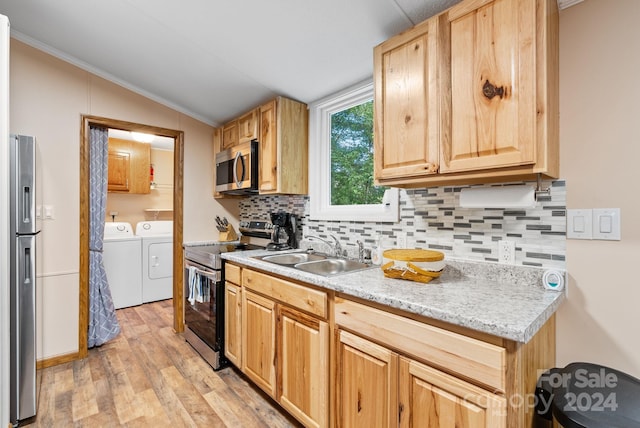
{"type": "Point", "coordinates": [48, 97]}
{"type": "Point", "coordinates": [600, 150]}
{"type": "Point", "coordinates": [4, 221]}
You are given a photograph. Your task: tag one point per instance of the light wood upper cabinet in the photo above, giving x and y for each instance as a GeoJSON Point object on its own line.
{"type": "Point", "coordinates": [129, 164]}
{"type": "Point", "coordinates": [494, 115]}
{"type": "Point", "coordinates": [118, 176]}
{"type": "Point", "coordinates": [493, 84]}
{"type": "Point", "coordinates": [248, 126]}
{"type": "Point", "coordinates": [230, 134]}
{"type": "Point", "coordinates": [406, 104]}
{"type": "Point", "coordinates": [283, 153]}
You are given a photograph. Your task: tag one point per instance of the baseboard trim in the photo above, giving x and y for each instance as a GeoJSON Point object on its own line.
{"type": "Point", "coordinates": [54, 361]}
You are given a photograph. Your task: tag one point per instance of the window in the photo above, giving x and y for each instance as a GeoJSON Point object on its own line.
{"type": "Point", "coordinates": [341, 160]}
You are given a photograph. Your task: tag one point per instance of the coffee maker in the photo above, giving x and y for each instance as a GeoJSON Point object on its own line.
{"type": "Point", "coordinates": [283, 222]}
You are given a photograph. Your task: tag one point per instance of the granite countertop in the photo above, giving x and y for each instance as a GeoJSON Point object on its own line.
{"type": "Point", "coordinates": [505, 301]}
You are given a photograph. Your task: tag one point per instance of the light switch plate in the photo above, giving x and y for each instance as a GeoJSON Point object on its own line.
{"type": "Point", "coordinates": [606, 224]}
{"type": "Point", "coordinates": [579, 224]}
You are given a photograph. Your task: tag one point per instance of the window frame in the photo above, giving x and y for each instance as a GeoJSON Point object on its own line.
{"type": "Point", "coordinates": [320, 113]}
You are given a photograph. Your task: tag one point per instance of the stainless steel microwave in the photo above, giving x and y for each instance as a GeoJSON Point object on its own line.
{"type": "Point", "coordinates": [237, 169]}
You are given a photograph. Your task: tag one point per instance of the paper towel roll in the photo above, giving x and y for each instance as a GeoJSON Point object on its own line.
{"type": "Point", "coordinates": [519, 196]}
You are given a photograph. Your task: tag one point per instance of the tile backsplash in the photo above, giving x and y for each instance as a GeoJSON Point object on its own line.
{"type": "Point", "coordinates": [432, 218]}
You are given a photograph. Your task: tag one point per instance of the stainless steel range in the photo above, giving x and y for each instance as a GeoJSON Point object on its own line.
{"type": "Point", "coordinates": [204, 299]}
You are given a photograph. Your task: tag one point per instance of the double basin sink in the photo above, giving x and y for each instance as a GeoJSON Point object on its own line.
{"type": "Point", "coordinates": [319, 264]}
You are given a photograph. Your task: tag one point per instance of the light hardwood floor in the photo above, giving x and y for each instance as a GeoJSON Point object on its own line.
{"type": "Point", "coordinates": [150, 377]}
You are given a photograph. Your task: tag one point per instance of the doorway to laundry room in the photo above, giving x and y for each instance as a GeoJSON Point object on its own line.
{"type": "Point", "coordinates": [138, 237]}
{"type": "Point", "coordinates": [143, 211]}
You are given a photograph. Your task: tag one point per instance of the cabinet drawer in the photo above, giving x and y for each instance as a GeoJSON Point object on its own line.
{"type": "Point", "coordinates": [298, 296]}
{"type": "Point", "coordinates": [232, 273]}
{"type": "Point", "coordinates": [471, 358]}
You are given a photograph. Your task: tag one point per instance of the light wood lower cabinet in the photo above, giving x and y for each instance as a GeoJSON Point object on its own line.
{"type": "Point", "coordinates": [285, 342]}
{"type": "Point", "coordinates": [259, 341]}
{"type": "Point", "coordinates": [333, 361]}
{"type": "Point", "coordinates": [430, 398]}
{"type": "Point", "coordinates": [367, 383]}
{"type": "Point", "coordinates": [233, 323]}
{"type": "Point", "coordinates": [378, 387]}
{"type": "Point", "coordinates": [303, 366]}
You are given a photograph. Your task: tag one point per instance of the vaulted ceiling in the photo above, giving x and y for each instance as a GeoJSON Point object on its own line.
{"type": "Point", "coordinates": [215, 59]}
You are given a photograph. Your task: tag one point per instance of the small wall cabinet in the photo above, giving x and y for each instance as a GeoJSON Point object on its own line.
{"type": "Point", "coordinates": [230, 135]}
{"type": "Point", "coordinates": [248, 126]}
{"type": "Point", "coordinates": [129, 167]}
{"type": "Point", "coordinates": [119, 168]}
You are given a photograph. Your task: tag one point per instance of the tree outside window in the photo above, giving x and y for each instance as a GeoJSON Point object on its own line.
{"type": "Point", "coordinates": [352, 157]}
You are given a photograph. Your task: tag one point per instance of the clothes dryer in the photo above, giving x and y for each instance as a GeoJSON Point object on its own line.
{"type": "Point", "coordinates": [157, 259]}
{"type": "Point", "coordinates": [122, 257]}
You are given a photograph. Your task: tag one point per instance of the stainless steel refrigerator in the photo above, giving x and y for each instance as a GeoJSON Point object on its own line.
{"type": "Point", "coordinates": [23, 231]}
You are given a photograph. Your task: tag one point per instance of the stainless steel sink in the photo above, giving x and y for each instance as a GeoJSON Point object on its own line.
{"type": "Point", "coordinates": [331, 266]}
{"type": "Point", "coordinates": [293, 258]}
{"type": "Point", "coordinates": [319, 264]}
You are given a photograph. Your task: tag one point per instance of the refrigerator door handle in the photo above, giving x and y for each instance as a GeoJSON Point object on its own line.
{"type": "Point", "coordinates": [27, 266]}
{"type": "Point", "coordinates": [26, 204]}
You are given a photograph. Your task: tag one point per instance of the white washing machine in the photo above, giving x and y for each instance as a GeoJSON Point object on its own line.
{"type": "Point", "coordinates": [157, 259]}
{"type": "Point", "coordinates": [122, 256]}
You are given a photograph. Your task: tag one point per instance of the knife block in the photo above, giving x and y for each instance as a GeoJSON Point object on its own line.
{"type": "Point", "coordinates": [228, 235]}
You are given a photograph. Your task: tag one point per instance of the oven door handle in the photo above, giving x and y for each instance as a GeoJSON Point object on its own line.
{"type": "Point", "coordinates": [213, 275]}
{"type": "Point", "coordinates": [210, 275]}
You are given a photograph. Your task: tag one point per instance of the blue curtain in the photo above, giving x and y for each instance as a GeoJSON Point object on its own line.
{"type": "Point", "coordinates": [103, 324]}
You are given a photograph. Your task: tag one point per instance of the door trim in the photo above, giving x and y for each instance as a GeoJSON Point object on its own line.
{"type": "Point", "coordinates": [178, 181]}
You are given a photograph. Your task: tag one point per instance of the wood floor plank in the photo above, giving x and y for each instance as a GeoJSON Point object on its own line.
{"type": "Point", "coordinates": [150, 377]}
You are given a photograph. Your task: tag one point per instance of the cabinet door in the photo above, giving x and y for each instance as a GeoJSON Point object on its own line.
{"type": "Point", "coordinates": [233, 323]}
{"type": "Point", "coordinates": [430, 398]}
{"type": "Point", "coordinates": [304, 367]}
{"type": "Point", "coordinates": [248, 126]}
{"type": "Point", "coordinates": [367, 383]}
{"type": "Point", "coordinates": [493, 81]}
{"type": "Point", "coordinates": [230, 134]}
{"type": "Point", "coordinates": [130, 171]}
{"type": "Point", "coordinates": [258, 341]}
{"type": "Point", "coordinates": [118, 175]}
{"type": "Point", "coordinates": [406, 104]}
{"type": "Point", "coordinates": [268, 170]}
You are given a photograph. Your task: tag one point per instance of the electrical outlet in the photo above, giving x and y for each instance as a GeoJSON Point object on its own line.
{"type": "Point", "coordinates": [507, 252]}
{"type": "Point", "coordinates": [401, 240]}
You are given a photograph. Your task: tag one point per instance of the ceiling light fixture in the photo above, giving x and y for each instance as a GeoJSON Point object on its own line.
{"type": "Point", "coordinates": [141, 137]}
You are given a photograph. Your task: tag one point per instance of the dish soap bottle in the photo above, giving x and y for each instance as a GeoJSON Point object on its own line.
{"type": "Point", "coordinates": [376, 252]}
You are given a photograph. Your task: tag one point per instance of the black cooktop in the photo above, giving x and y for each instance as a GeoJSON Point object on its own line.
{"type": "Point", "coordinates": [209, 255]}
